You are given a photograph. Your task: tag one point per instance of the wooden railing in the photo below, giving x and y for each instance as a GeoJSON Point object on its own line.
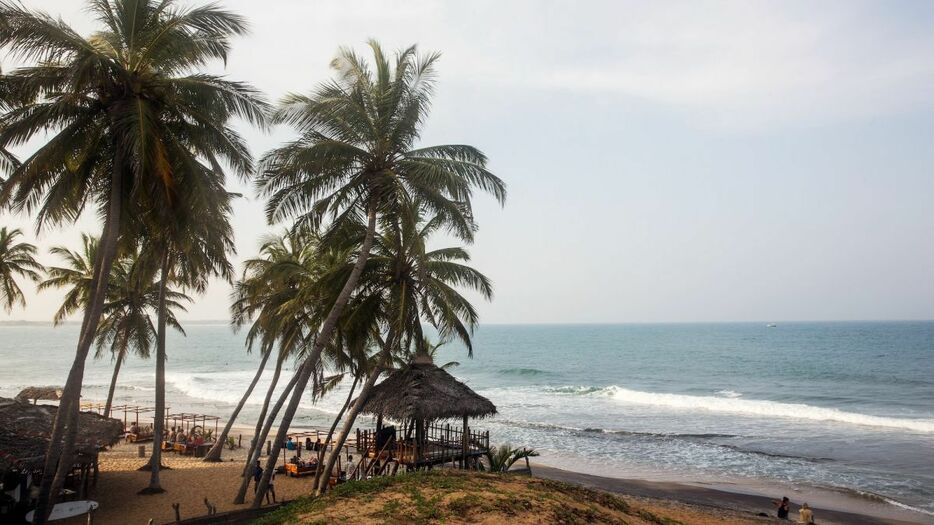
{"type": "Point", "coordinates": [442, 443]}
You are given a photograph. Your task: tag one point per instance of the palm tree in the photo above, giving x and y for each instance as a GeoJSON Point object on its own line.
{"type": "Point", "coordinates": [278, 295]}
{"type": "Point", "coordinates": [16, 258]}
{"type": "Point", "coordinates": [118, 106]}
{"type": "Point", "coordinates": [191, 240]}
{"type": "Point", "coordinates": [427, 347]}
{"type": "Point", "coordinates": [8, 161]}
{"type": "Point", "coordinates": [413, 284]}
{"type": "Point", "coordinates": [287, 264]}
{"type": "Point", "coordinates": [357, 157]}
{"type": "Point", "coordinates": [127, 324]}
{"type": "Point", "coordinates": [77, 275]}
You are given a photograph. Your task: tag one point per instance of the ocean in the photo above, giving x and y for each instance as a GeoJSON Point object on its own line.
{"type": "Point", "coordinates": [844, 407]}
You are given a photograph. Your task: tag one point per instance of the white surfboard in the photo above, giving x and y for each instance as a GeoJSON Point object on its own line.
{"type": "Point", "coordinates": [67, 509]}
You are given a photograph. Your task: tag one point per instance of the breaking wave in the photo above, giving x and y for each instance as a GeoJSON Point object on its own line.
{"type": "Point", "coordinates": [749, 407]}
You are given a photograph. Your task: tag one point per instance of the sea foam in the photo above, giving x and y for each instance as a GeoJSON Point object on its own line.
{"type": "Point", "coordinates": [751, 407]}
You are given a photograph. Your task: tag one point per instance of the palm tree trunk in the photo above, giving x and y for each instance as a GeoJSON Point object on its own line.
{"type": "Point", "coordinates": [323, 338]}
{"type": "Point", "coordinates": [260, 435]}
{"type": "Point", "coordinates": [113, 384]}
{"type": "Point", "coordinates": [59, 454]}
{"type": "Point", "coordinates": [214, 454]}
{"type": "Point", "coordinates": [352, 416]}
{"type": "Point", "coordinates": [158, 424]}
{"type": "Point", "coordinates": [340, 414]}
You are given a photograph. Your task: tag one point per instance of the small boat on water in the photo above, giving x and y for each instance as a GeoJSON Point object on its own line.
{"type": "Point", "coordinates": [771, 325]}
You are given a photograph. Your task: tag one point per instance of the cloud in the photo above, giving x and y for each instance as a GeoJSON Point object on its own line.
{"type": "Point", "coordinates": [723, 64]}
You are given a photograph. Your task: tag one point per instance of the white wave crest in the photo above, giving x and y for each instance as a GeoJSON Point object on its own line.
{"type": "Point", "coordinates": [732, 394]}
{"type": "Point", "coordinates": [761, 408]}
{"type": "Point", "coordinates": [229, 386]}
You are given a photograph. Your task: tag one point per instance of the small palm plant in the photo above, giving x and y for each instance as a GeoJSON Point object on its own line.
{"type": "Point", "coordinates": [17, 258]}
{"type": "Point", "coordinates": [502, 458]}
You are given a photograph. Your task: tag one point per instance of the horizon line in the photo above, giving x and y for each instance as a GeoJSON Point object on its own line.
{"type": "Point", "coordinates": [558, 323]}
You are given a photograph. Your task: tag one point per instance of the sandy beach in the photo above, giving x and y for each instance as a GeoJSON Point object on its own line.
{"type": "Point", "coordinates": [191, 480]}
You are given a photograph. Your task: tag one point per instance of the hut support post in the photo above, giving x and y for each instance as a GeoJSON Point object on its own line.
{"type": "Point", "coordinates": [464, 444]}
{"type": "Point", "coordinates": [419, 440]}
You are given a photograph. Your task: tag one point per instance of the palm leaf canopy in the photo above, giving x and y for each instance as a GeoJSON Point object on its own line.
{"type": "Point", "coordinates": [122, 102]}
{"type": "Point", "coordinates": [423, 391]}
{"type": "Point", "coordinates": [16, 258]}
{"type": "Point", "coordinates": [358, 150]}
{"type": "Point", "coordinates": [25, 429]}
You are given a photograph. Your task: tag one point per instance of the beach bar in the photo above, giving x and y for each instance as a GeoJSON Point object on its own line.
{"type": "Point", "coordinates": [24, 438]}
{"type": "Point", "coordinates": [420, 397]}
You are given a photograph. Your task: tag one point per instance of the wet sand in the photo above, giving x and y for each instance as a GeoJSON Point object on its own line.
{"type": "Point", "coordinates": [722, 499]}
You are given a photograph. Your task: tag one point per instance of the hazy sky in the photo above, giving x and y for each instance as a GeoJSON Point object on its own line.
{"type": "Point", "coordinates": [666, 161]}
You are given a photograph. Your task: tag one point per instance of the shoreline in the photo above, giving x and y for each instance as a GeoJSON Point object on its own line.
{"type": "Point", "coordinates": [830, 507]}
{"type": "Point", "coordinates": [719, 497]}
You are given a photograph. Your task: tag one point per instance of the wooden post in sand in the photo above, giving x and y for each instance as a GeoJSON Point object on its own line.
{"type": "Point", "coordinates": [178, 516]}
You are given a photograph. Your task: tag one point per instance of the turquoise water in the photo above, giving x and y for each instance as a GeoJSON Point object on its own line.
{"type": "Point", "coordinates": [841, 406]}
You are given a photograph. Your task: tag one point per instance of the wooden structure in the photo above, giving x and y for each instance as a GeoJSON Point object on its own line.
{"type": "Point", "coordinates": [189, 421]}
{"type": "Point", "coordinates": [134, 410]}
{"type": "Point", "coordinates": [36, 393]}
{"type": "Point", "coordinates": [195, 444]}
{"type": "Point", "coordinates": [24, 438]}
{"type": "Point", "coordinates": [419, 397]}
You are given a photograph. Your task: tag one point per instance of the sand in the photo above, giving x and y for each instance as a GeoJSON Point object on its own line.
{"type": "Point", "coordinates": [191, 480]}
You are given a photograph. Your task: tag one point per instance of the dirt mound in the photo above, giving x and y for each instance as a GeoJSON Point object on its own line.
{"type": "Point", "coordinates": [451, 496]}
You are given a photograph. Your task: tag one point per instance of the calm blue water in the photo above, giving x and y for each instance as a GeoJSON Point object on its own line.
{"type": "Point", "coordinates": [845, 406]}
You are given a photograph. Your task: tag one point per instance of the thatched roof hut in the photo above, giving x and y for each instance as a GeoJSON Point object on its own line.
{"type": "Point", "coordinates": [25, 430]}
{"type": "Point", "coordinates": [418, 394]}
{"type": "Point", "coordinates": [45, 393]}
{"type": "Point", "coordinates": [422, 391]}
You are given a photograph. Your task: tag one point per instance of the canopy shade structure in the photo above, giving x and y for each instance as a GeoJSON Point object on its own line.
{"type": "Point", "coordinates": [25, 430]}
{"type": "Point", "coordinates": [35, 393]}
{"type": "Point", "coordinates": [416, 395]}
{"type": "Point", "coordinates": [422, 391]}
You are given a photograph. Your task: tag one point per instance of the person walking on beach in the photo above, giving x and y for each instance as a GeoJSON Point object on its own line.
{"type": "Point", "coordinates": [270, 489]}
{"type": "Point", "coordinates": [783, 507]}
{"type": "Point", "coordinates": [805, 515]}
{"type": "Point", "coordinates": [257, 475]}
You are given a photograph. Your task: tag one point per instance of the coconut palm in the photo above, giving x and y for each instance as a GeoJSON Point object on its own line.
{"type": "Point", "coordinates": [413, 284]}
{"type": "Point", "coordinates": [287, 263]}
{"type": "Point", "coordinates": [127, 325]}
{"type": "Point", "coordinates": [8, 161]}
{"type": "Point", "coordinates": [191, 239]}
{"type": "Point", "coordinates": [357, 157]}
{"type": "Point", "coordinates": [77, 275]}
{"type": "Point", "coordinates": [118, 106]}
{"type": "Point", "coordinates": [279, 295]}
{"type": "Point", "coordinates": [426, 347]}
{"type": "Point", "coordinates": [16, 258]}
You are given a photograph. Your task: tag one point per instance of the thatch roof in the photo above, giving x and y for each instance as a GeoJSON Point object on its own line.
{"type": "Point", "coordinates": [46, 393]}
{"type": "Point", "coordinates": [25, 429]}
{"type": "Point", "coordinates": [421, 390]}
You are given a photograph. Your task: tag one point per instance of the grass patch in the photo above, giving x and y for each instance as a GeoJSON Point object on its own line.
{"type": "Point", "coordinates": [419, 498]}
{"type": "Point", "coordinates": [658, 520]}
{"type": "Point", "coordinates": [604, 499]}
{"type": "Point", "coordinates": [464, 505]}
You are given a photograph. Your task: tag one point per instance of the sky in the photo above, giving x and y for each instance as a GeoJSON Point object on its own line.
{"type": "Point", "coordinates": [665, 161]}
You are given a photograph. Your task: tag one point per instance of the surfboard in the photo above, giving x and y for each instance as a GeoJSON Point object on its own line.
{"type": "Point", "coordinates": [67, 509]}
